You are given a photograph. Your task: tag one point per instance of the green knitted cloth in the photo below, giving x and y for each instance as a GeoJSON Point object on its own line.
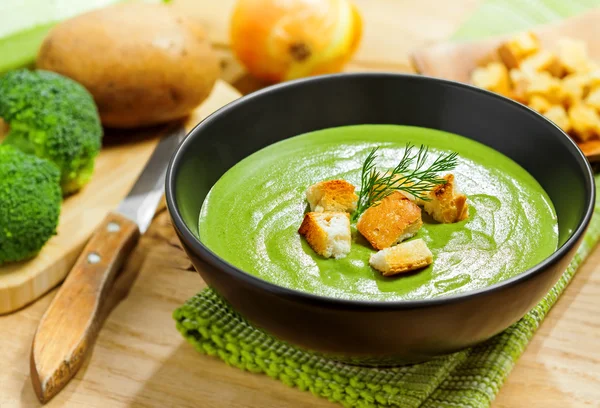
{"type": "Point", "coordinates": [469, 378]}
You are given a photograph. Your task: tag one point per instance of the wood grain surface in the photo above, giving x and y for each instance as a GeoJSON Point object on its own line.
{"type": "Point", "coordinates": [456, 61]}
{"type": "Point", "coordinates": [140, 360]}
{"type": "Point", "coordinates": [117, 167]}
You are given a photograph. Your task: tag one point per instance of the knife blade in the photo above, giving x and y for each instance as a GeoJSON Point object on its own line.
{"type": "Point", "coordinates": [71, 323]}
{"type": "Point", "coordinates": [143, 198]}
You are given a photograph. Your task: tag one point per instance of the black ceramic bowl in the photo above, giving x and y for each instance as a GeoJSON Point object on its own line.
{"type": "Point", "coordinates": [363, 331]}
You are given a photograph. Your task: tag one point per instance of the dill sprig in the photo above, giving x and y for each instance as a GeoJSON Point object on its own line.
{"type": "Point", "coordinates": [410, 176]}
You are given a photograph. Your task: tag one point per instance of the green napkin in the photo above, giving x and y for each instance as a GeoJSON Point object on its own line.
{"type": "Point", "coordinates": [497, 17]}
{"type": "Point", "coordinates": [469, 378]}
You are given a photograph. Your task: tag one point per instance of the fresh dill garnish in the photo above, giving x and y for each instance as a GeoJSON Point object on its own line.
{"type": "Point", "coordinates": [418, 181]}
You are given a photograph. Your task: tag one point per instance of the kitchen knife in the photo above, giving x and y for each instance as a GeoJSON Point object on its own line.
{"type": "Point", "coordinates": [70, 325]}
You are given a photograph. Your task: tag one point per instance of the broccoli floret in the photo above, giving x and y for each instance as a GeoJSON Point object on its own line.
{"type": "Point", "coordinates": [30, 199]}
{"type": "Point", "coordinates": [54, 118]}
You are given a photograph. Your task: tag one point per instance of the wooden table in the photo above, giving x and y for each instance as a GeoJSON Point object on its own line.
{"type": "Point", "coordinates": [141, 360]}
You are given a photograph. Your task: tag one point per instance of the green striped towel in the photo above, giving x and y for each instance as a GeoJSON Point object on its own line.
{"type": "Point", "coordinates": [469, 378]}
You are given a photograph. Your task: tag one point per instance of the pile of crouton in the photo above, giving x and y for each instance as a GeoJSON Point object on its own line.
{"type": "Point", "coordinates": [564, 85]}
{"type": "Point", "coordinates": [385, 225]}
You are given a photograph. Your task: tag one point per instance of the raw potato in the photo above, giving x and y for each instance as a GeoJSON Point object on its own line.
{"type": "Point", "coordinates": [143, 63]}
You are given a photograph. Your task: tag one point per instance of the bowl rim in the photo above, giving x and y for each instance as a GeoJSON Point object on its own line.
{"type": "Point", "coordinates": [214, 260]}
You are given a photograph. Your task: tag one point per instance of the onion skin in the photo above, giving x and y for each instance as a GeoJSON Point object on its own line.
{"type": "Point", "coordinates": [279, 40]}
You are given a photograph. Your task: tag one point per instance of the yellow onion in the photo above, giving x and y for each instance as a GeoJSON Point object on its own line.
{"type": "Point", "coordinates": [278, 40]}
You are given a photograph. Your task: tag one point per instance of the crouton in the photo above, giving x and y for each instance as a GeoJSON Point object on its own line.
{"type": "Point", "coordinates": [392, 220]}
{"type": "Point", "coordinates": [582, 80]}
{"type": "Point", "coordinates": [573, 55]}
{"type": "Point", "coordinates": [493, 77]}
{"type": "Point", "coordinates": [520, 82]}
{"type": "Point", "coordinates": [332, 195]}
{"type": "Point", "coordinates": [543, 61]}
{"type": "Point", "coordinates": [446, 204]}
{"type": "Point", "coordinates": [558, 115]}
{"type": "Point", "coordinates": [404, 257]}
{"type": "Point", "coordinates": [585, 121]}
{"type": "Point", "coordinates": [539, 103]}
{"type": "Point", "coordinates": [513, 51]}
{"type": "Point", "coordinates": [574, 88]}
{"type": "Point", "coordinates": [593, 99]}
{"type": "Point", "coordinates": [327, 233]}
{"type": "Point", "coordinates": [486, 59]}
{"type": "Point", "coordinates": [593, 78]}
{"type": "Point", "coordinates": [558, 85]}
{"type": "Point", "coordinates": [544, 84]}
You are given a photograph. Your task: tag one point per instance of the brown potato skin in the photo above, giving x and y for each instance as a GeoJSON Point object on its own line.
{"type": "Point", "coordinates": [143, 63]}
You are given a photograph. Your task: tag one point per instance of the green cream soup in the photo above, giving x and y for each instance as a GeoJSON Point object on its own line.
{"type": "Point", "coordinates": [251, 216]}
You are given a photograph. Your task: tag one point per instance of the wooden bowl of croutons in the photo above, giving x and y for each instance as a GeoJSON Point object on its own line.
{"type": "Point", "coordinates": [554, 70]}
{"type": "Point", "coordinates": [365, 329]}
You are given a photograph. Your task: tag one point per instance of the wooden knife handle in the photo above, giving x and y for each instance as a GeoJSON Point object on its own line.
{"type": "Point", "coordinates": [70, 325]}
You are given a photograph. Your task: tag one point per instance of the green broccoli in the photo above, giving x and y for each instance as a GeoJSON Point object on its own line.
{"type": "Point", "coordinates": [54, 118]}
{"type": "Point", "coordinates": [30, 199]}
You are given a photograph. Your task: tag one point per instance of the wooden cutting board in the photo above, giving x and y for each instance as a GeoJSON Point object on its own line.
{"type": "Point", "coordinates": [456, 60]}
{"type": "Point", "coordinates": [123, 156]}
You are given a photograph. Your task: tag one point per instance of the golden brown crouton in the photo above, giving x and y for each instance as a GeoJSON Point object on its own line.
{"type": "Point", "coordinates": [581, 80]}
{"type": "Point", "coordinates": [543, 61]}
{"type": "Point", "coordinates": [493, 77]}
{"type": "Point", "coordinates": [520, 82]}
{"type": "Point", "coordinates": [486, 59]}
{"type": "Point", "coordinates": [332, 195]}
{"type": "Point", "coordinates": [593, 99]}
{"type": "Point", "coordinates": [446, 204]}
{"type": "Point", "coordinates": [593, 78]}
{"type": "Point", "coordinates": [558, 115]}
{"type": "Point", "coordinates": [585, 121]}
{"type": "Point", "coordinates": [544, 84]}
{"type": "Point", "coordinates": [573, 55]}
{"type": "Point", "coordinates": [394, 219]}
{"type": "Point", "coordinates": [327, 233]}
{"type": "Point", "coordinates": [513, 51]}
{"type": "Point", "coordinates": [557, 83]}
{"type": "Point", "coordinates": [574, 87]}
{"type": "Point", "coordinates": [403, 257]}
{"type": "Point", "coordinates": [539, 103]}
